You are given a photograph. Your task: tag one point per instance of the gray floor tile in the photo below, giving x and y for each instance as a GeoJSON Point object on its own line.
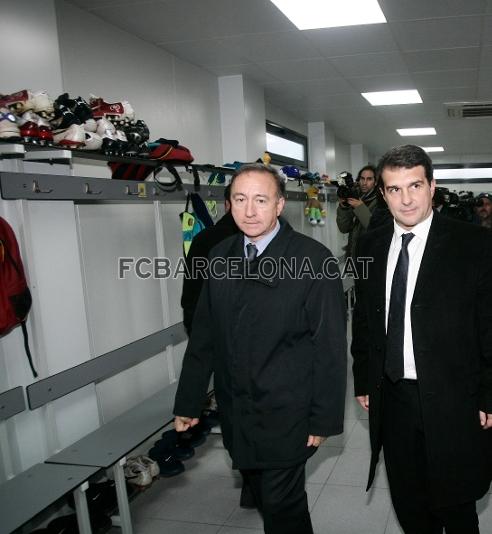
{"type": "Point", "coordinates": [349, 510]}
{"type": "Point", "coordinates": [352, 469]}
{"type": "Point", "coordinates": [204, 499]}
{"type": "Point", "coordinates": [313, 492]}
{"type": "Point", "coordinates": [321, 464]}
{"type": "Point", "coordinates": [245, 518]}
{"type": "Point", "coordinates": [160, 526]}
{"type": "Point", "coordinates": [213, 461]}
{"type": "Point", "coordinates": [359, 438]}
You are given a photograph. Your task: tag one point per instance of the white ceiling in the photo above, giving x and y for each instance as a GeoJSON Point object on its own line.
{"type": "Point", "coordinates": [442, 48]}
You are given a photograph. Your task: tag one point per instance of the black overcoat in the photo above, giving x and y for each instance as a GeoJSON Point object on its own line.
{"type": "Point", "coordinates": [277, 348]}
{"type": "Point", "coordinates": [451, 315]}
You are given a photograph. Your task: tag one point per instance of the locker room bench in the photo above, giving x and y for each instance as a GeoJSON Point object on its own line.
{"type": "Point", "coordinates": [109, 445]}
{"type": "Point", "coordinates": [33, 490]}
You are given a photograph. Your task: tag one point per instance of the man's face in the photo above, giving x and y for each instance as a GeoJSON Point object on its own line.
{"type": "Point", "coordinates": [367, 181]}
{"type": "Point", "coordinates": [408, 194]}
{"type": "Point", "coordinates": [484, 211]}
{"type": "Point", "coordinates": [255, 203]}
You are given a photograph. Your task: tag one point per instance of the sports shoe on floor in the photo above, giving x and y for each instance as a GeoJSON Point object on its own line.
{"type": "Point", "coordinates": [137, 474]}
{"type": "Point", "coordinates": [9, 128]}
{"type": "Point", "coordinates": [168, 465]}
{"type": "Point", "coordinates": [170, 444]}
{"type": "Point", "coordinates": [116, 112]}
{"type": "Point", "coordinates": [151, 465]}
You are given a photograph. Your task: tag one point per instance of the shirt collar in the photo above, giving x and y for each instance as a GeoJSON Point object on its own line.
{"type": "Point", "coordinates": [262, 243]}
{"type": "Point", "coordinates": [421, 230]}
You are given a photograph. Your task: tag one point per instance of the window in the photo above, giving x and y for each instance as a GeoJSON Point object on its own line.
{"type": "Point", "coordinates": [286, 146]}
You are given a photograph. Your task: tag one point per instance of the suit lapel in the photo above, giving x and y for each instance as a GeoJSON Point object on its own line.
{"type": "Point", "coordinates": [437, 242]}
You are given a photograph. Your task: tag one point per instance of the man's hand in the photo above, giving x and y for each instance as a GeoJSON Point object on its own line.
{"type": "Point", "coordinates": [315, 441]}
{"type": "Point", "coordinates": [354, 202]}
{"type": "Point", "coordinates": [363, 400]}
{"type": "Point", "coordinates": [181, 424]}
{"type": "Point", "coordinates": [485, 420]}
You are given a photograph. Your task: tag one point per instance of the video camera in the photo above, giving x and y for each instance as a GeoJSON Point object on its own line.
{"type": "Point", "coordinates": [347, 188]}
{"type": "Point", "coordinates": [456, 205]}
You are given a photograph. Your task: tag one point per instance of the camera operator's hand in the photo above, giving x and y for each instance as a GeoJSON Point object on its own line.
{"type": "Point", "coordinates": [354, 202]}
{"type": "Point", "coordinates": [343, 202]}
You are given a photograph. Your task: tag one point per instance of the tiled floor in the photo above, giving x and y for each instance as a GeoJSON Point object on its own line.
{"type": "Point", "coordinates": [204, 499]}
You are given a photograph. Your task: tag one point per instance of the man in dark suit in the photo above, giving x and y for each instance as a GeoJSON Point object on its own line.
{"type": "Point", "coordinates": [276, 343]}
{"type": "Point", "coordinates": [422, 348]}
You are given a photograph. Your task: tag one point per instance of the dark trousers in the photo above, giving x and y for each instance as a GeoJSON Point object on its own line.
{"type": "Point", "coordinates": [281, 499]}
{"type": "Point", "coordinates": [406, 465]}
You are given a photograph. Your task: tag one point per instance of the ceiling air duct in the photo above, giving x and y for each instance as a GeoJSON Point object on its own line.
{"type": "Point", "coordinates": [468, 110]}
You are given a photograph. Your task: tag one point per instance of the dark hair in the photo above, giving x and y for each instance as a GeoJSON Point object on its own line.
{"type": "Point", "coordinates": [367, 168]}
{"type": "Point", "coordinates": [267, 169]}
{"type": "Point", "coordinates": [406, 156]}
{"type": "Point", "coordinates": [227, 192]}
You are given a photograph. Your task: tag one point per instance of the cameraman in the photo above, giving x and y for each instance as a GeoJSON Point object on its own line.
{"type": "Point", "coordinates": [354, 214]}
{"type": "Point", "coordinates": [483, 209]}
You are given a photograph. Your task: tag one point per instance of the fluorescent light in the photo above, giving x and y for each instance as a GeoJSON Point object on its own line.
{"type": "Point", "coordinates": [311, 14]}
{"type": "Point", "coordinates": [416, 131]}
{"type": "Point", "coordinates": [463, 174]}
{"type": "Point", "coordinates": [391, 98]}
{"type": "Point", "coordinates": [433, 148]}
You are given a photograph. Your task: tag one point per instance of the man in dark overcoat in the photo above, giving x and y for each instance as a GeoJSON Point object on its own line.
{"type": "Point", "coordinates": [275, 340]}
{"type": "Point", "coordinates": [422, 348]}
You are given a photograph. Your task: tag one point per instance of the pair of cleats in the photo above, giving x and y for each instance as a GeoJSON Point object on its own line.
{"type": "Point", "coordinates": [140, 471]}
{"type": "Point", "coordinates": [26, 100]}
{"type": "Point", "coordinates": [117, 112]}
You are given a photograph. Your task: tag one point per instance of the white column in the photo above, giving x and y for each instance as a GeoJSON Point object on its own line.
{"type": "Point", "coordinates": [242, 119]}
{"type": "Point", "coordinates": [358, 157]}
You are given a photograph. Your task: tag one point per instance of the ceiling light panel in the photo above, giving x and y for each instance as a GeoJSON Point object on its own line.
{"type": "Point", "coordinates": [404, 132]}
{"type": "Point", "coordinates": [393, 98]}
{"type": "Point", "coordinates": [312, 14]}
{"type": "Point", "coordinates": [432, 148]}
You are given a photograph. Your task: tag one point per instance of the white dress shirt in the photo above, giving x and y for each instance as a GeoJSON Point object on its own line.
{"type": "Point", "coordinates": [415, 252]}
{"type": "Point", "coordinates": [262, 243]}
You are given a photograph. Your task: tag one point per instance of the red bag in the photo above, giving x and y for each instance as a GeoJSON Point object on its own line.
{"type": "Point", "coordinates": [170, 152]}
{"type": "Point", "coordinates": [15, 297]}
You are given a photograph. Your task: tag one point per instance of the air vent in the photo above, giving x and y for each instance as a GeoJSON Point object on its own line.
{"type": "Point", "coordinates": [468, 110]}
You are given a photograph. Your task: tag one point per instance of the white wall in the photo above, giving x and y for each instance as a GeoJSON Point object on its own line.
{"type": "Point", "coordinates": [284, 118]}
{"type": "Point", "coordinates": [176, 99]}
{"type": "Point", "coordinates": [29, 57]}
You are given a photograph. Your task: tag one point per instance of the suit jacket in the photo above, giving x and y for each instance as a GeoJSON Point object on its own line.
{"type": "Point", "coordinates": [451, 315]}
{"type": "Point", "coordinates": [277, 348]}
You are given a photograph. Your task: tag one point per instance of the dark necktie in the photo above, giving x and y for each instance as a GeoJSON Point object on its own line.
{"type": "Point", "coordinates": [396, 318]}
{"type": "Point", "coordinates": [252, 251]}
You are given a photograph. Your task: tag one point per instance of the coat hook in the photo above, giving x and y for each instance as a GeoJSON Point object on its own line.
{"type": "Point", "coordinates": [88, 190]}
{"type": "Point", "coordinates": [129, 192]}
{"type": "Point", "coordinates": [37, 189]}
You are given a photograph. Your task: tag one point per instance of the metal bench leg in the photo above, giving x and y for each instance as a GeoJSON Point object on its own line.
{"type": "Point", "coordinates": [82, 509]}
{"type": "Point", "coordinates": [123, 506]}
